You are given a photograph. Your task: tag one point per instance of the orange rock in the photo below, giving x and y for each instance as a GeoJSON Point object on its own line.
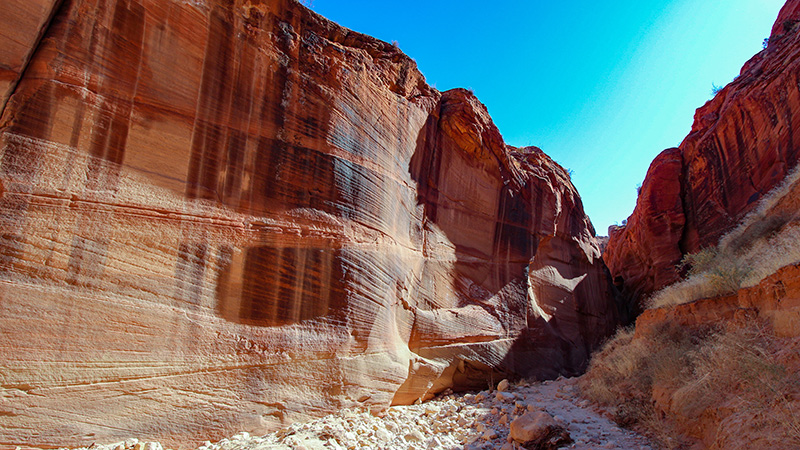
{"type": "Point", "coordinates": [643, 253]}
{"type": "Point", "coordinates": [720, 423]}
{"type": "Point", "coordinates": [230, 215]}
{"type": "Point", "coordinates": [788, 17]}
{"type": "Point", "coordinates": [776, 299]}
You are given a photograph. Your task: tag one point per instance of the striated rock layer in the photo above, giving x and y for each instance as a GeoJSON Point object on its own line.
{"type": "Point", "coordinates": [223, 216]}
{"type": "Point", "coordinates": [743, 142]}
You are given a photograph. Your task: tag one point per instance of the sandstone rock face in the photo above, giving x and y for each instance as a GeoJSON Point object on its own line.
{"type": "Point", "coordinates": [224, 216]}
{"type": "Point", "coordinates": [743, 142]}
{"type": "Point", "coordinates": [658, 223]}
{"type": "Point", "coordinates": [787, 19]}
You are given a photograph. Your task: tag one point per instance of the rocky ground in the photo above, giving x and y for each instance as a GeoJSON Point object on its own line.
{"type": "Point", "coordinates": [502, 418]}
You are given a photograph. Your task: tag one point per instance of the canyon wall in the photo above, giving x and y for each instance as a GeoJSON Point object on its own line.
{"type": "Point", "coordinates": [743, 142]}
{"type": "Point", "coordinates": [222, 216]}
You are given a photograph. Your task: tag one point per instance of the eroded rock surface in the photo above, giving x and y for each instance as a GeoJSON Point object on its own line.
{"type": "Point", "coordinates": [220, 216]}
{"type": "Point", "coordinates": [775, 300]}
{"type": "Point", "coordinates": [743, 142]}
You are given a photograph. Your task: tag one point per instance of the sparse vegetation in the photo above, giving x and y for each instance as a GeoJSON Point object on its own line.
{"type": "Point", "coordinates": [739, 373]}
{"type": "Point", "coordinates": [719, 266]}
{"type": "Point", "coordinates": [736, 383]}
{"type": "Point", "coordinates": [715, 89]}
{"type": "Point", "coordinates": [623, 374]}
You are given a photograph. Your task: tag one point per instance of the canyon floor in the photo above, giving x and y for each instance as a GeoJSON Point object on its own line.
{"type": "Point", "coordinates": [453, 421]}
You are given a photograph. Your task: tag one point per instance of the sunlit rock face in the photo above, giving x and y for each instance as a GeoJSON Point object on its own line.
{"type": "Point", "coordinates": [743, 142]}
{"type": "Point", "coordinates": [220, 216]}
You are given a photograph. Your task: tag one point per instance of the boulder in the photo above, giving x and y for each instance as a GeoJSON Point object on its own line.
{"type": "Point", "coordinates": [537, 430]}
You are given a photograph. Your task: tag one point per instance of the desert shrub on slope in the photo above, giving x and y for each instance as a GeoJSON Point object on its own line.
{"type": "Point", "coordinates": [733, 387]}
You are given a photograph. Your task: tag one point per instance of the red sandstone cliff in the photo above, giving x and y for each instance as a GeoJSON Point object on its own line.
{"type": "Point", "coordinates": [225, 215]}
{"type": "Point", "coordinates": [742, 143]}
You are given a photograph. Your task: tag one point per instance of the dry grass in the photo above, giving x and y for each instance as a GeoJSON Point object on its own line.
{"type": "Point", "coordinates": [724, 270]}
{"type": "Point", "coordinates": [735, 384]}
{"type": "Point", "coordinates": [740, 369]}
{"type": "Point", "coordinates": [732, 379]}
{"type": "Point", "coordinates": [623, 374]}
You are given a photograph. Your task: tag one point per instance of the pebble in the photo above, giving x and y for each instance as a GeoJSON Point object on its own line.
{"type": "Point", "coordinates": [415, 436]}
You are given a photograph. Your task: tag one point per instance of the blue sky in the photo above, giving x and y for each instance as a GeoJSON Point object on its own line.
{"type": "Point", "coordinates": [601, 87]}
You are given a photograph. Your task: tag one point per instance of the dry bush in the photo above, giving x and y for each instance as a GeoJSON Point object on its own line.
{"type": "Point", "coordinates": [712, 272]}
{"type": "Point", "coordinates": [742, 238]}
{"type": "Point", "coordinates": [615, 369]}
{"type": "Point", "coordinates": [683, 291]}
{"type": "Point", "coordinates": [698, 262]}
{"type": "Point", "coordinates": [778, 251]}
{"type": "Point", "coordinates": [716, 271]}
{"type": "Point", "coordinates": [738, 369]}
{"type": "Point", "coordinates": [733, 373]}
{"type": "Point", "coordinates": [623, 373]}
{"type": "Point", "coordinates": [728, 273]}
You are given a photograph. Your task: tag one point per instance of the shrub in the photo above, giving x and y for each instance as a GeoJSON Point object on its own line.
{"type": "Point", "coordinates": [623, 373]}
{"type": "Point", "coordinates": [720, 269]}
{"type": "Point", "coordinates": [727, 273]}
{"type": "Point", "coordinates": [734, 373]}
{"type": "Point", "coordinates": [699, 262]}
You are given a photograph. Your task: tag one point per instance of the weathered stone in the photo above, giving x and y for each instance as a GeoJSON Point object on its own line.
{"type": "Point", "coordinates": [231, 215]}
{"type": "Point", "coordinates": [788, 18]}
{"type": "Point", "coordinates": [502, 386]}
{"type": "Point", "coordinates": [539, 431]}
{"type": "Point", "coordinates": [414, 436]}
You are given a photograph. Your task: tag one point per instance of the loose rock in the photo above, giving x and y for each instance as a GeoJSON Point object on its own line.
{"type": "Point", "coordinates": [537, 430]}
{"type": "Point", "coordinates": [502, 386]}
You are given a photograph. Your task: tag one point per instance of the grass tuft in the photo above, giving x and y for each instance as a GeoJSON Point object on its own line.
{"type": "Point", "coordinates": [722, 377]}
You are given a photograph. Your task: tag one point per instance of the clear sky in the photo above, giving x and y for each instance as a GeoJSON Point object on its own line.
{"type": "Point", "coordinates": [601, 87]}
